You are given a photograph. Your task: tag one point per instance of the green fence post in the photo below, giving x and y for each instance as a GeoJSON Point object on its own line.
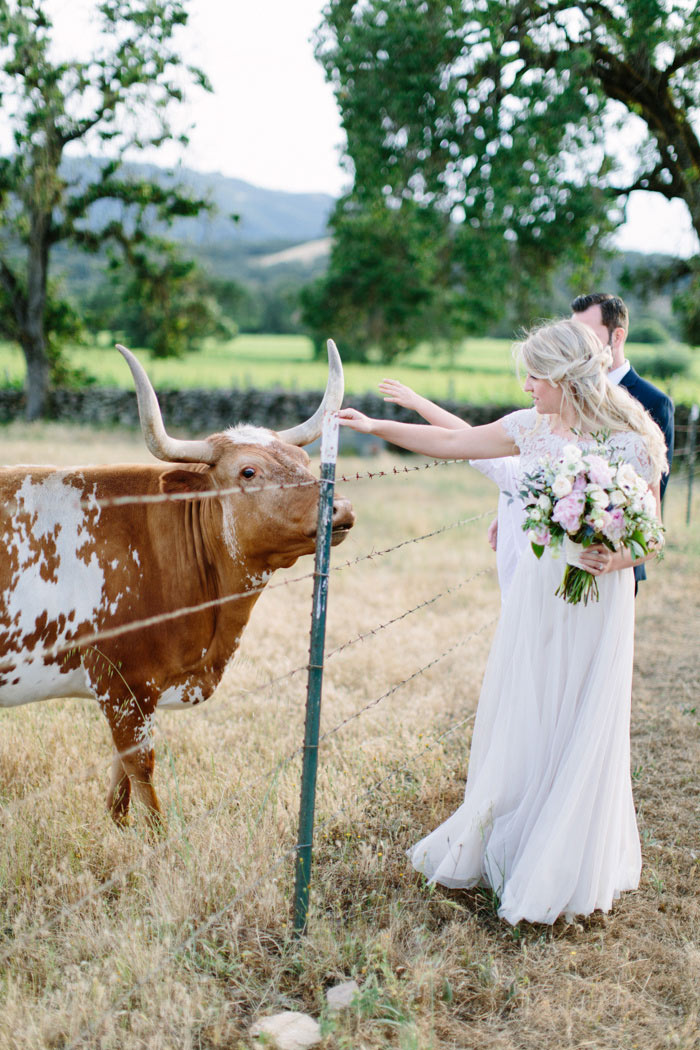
{"type": "Point", "coordinates": [692, 424]}
{"type": "Point", "coordinates": [329, 455]}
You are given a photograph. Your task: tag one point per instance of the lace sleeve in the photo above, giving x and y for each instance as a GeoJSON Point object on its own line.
{"type": "Point", "coordinates": [634, 449]}
{"type": "Point", "coordinates": [518, 424]}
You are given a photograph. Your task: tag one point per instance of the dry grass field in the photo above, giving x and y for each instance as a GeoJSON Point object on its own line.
{"type": "Point", "coordinates": [111, 940]}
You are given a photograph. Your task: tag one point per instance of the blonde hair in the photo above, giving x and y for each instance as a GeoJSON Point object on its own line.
{"type": "Point", "coordinates": [569, 354]}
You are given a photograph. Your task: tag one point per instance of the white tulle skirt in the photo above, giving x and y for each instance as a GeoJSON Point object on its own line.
{"type": "Point", "coordinates": [548, 818]}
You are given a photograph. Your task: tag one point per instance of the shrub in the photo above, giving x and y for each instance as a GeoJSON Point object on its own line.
{"type": "Point", "coordinates": [648, 330]}
{"type": "Point", "coordinates": [666, 363]}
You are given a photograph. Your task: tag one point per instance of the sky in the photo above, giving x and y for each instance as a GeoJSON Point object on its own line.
{"type": "Point", "coordinates": [272, 119]}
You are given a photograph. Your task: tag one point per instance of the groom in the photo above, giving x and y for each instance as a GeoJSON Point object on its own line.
{"type": "Point", "coordinates": [607, 315]}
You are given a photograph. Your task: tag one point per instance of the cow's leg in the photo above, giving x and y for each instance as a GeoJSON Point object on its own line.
{"type": "Point", "coordinates": [138, 764]}
{"type": "Point", "coordinates": [119, 792]}
{"type": "Point", "coordinates": [133, 764]}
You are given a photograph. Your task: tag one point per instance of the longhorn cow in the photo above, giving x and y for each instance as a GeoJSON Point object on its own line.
{"type": "Point", "coordinates": [75, 564]}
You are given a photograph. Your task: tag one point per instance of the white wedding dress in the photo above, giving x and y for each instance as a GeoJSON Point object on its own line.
{"type": "Point", "coordinates": [548, 818]}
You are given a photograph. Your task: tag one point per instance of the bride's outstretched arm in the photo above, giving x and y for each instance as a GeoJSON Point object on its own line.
{"type": "Point", "coordinates": [403, 395]}
{"type": "Point", "coordinates": [486, 442]}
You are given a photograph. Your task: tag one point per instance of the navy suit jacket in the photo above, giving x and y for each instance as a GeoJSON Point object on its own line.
{"type": "Point", "coordinates": [660, 408]}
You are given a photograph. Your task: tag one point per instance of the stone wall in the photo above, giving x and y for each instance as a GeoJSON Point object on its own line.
{"type": "Point", "coordinates": [200, 412]}
{"type": "Point", "coordinates": [206, 411]}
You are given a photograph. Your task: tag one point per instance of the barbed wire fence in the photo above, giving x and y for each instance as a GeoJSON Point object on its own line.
{"type": "Point", "coordinates": [677, 479]}
{"type": "Point", "coordinates": [689, 455]}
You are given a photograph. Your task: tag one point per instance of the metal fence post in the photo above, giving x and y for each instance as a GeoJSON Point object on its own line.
{"type": "Point", "coordinates": [329, 455]}
{"type": "Point", "coordinates": [692, 428]}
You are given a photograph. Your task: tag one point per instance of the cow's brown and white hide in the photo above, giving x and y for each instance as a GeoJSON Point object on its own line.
{"type": "Point", "coordinates": [71, 566]}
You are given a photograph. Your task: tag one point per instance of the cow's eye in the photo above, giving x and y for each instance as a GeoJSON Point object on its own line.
{"type": "Point", "coordinates": [248, 472]}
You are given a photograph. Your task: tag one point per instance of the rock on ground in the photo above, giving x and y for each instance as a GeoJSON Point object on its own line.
{"type": "Point", "coordinates": [341, 995]}
{"type": "Point", "coordinates": [289, 1030]}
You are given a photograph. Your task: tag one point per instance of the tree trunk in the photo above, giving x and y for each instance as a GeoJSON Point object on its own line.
{"type": "Point", "coordinates": [692, 199]}
{"type": "Point", "coordinates": [644, 90]}
{"type": "Point", "coordinates": [38, 376]}
{"type": "Point", "coordinates": [33, 335]}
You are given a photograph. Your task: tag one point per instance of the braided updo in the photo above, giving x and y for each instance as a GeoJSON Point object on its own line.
{"type": "Point", "coordinates": [569, 355]}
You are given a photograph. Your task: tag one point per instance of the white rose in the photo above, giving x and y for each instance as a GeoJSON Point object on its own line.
{"type": "Point", "coordinates": [617, 498]}
{"type": "Point", "coordinates": [561, 486]}
{"type": "Point", "coordinates": [572, 454]}
{"type": "Point", "coordinates": [574, 461]}
{"type": "Point", "coordinates": [544, 502]}
{"type": "Point", "coordinates": [597, 495]}
{"type": "Point", "coordinates": [649, 503]}
{"type": "Point", "coordinates": [626, 477]}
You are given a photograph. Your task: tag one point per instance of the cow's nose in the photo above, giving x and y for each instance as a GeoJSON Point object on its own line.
{"type": "Point", "coordinates": [343, 516]}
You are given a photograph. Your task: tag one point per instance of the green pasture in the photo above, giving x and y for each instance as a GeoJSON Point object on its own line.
{"type": "Point", "coordinates": [481, 371]}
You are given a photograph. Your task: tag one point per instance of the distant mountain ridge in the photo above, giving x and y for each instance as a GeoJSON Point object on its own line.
{"type": "Point", "coordinates": [265, 217]}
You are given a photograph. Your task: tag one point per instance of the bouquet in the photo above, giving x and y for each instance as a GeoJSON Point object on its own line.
{"type": "Point", "coordinates": [580, 498]}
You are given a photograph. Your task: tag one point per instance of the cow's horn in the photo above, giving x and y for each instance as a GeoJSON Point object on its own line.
{"type": "Point", "coordinates": [307, 432]}
{"type": "Point", "coordinates": [159, 443]}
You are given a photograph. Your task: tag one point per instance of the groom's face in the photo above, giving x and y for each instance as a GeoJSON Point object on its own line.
{"type": "Point", "coordinates": [593, 317]}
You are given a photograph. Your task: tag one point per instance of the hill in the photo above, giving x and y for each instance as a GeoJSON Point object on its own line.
{"type": "Point", "coordinates": [243, 214]}
{"type": "Point", "coordinates": [246, 222]}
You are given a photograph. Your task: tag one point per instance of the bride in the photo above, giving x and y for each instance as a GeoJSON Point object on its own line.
{"type": "Point", "coordinates": [548, 819]}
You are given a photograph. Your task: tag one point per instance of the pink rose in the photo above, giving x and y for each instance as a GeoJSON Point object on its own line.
{"type": "Point", "coordinates": [580, 483]}
{"type": "Point", "coordinates": [599, 471]}
{"type": "Point", "coordinates": [567, 511]}
{"type": "Point", "coordinates": [615, 527]}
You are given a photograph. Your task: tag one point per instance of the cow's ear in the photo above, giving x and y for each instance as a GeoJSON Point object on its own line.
{"type": "Point", "coordinates": [184, 481]}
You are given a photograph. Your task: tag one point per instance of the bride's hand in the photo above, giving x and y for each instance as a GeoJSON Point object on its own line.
{"type": "Point", "coordinates": [350, 417]}
{"type": "Point", "coordinates": [398, 393]}
{"type": "Point", "coordinates": [596, 559]}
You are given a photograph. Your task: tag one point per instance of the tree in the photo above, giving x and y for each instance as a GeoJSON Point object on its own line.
{"type": "Point", "coordinates": [640, 57]}
{"type": "Point", "coordinates": [679, 278]}
{"type": "Point", "coordinates": [118, 98]}
{"type": "Point", "coordinates": [385, 286]}
{"type": "Point", "coordinates": [497, 114]}
{"type": "Point", "coordinates": [165, 303]}
{"type": "Point", "coordinates": [433, 128]}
